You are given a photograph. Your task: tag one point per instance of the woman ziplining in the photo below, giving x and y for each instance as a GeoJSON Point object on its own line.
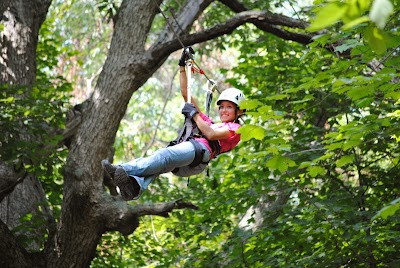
{"type": "Point", "coordinates": [190, 156]}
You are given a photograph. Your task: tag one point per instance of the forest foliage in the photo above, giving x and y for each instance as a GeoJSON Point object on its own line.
{"type": "Point", "coordinates": [318, 161]}
{"type": "Point", "coordinates": [315, 181]}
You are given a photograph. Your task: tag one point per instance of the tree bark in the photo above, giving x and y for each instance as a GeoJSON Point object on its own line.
{"type": "Point", "coordinates": [20, 192]}
{"type": "Point", "coordinates": [22, 20]}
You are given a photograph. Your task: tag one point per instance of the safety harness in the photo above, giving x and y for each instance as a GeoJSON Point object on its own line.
{"type": "Point", "coordinates": [189, 130]}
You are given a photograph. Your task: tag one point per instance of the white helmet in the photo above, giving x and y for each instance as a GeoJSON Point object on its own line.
{"type": "Point", "coordinates": [231, 94]}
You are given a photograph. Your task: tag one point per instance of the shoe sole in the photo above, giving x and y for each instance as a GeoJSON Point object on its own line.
{"type": "Point", "coordinates": [137, 188]}
{"type": "Point", "coordinates": [124, 184]}
{"type": "Point", "coordinates": [104, 164]}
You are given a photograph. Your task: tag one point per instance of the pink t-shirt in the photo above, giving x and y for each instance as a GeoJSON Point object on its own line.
{"type": "Point", "coordinates": [225, 144]}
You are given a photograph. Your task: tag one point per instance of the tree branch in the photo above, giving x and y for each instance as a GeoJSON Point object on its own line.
{"type": "Point", "coordinates": [271, 24]}
{"type": "Point", "coordinates": [9, 178]}
{"type": "Point", "coordinates": [264, 20]}
{"type": "Point", "coordinates": [13, 255]}
{"type": "Point", "coordinates": [182, 22]}
{"type": "Point", "coordinates": [162, 209]}
{"type": "Point", "coordinates": [123, 217]}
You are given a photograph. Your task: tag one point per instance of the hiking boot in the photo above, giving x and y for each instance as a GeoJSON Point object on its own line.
{"type": "Point", "coordinates": [109, 168]}
{"type": "Point", "coordinates": [137, 188]}
{"type": "Point", "coordinates": [124, 183]}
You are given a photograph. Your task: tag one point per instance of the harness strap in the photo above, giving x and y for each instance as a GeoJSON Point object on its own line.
{"type": "Point", "coordinates": [208, 102]}
{"type": "Point", "coordinates": [214, 145]}
{"type": "Point", "coordinates": [198, 153]}
{"type": "Point", "coordinates": [211, 88]}
{"type": "Point", "coordinates": [185, 133]}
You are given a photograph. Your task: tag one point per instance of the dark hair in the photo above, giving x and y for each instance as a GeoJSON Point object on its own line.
{"type": "Point", "coordinates": [239, 116]}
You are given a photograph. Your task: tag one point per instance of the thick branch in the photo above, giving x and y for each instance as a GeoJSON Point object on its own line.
{"type": "Point", "coordinates": [271, 24]}
{"type": "Point", "coordinates": [269, 21]}
{"type": "Point", "coordinates": [182, 23]}
{"type": "Point", "coordinates": [125, 218]}
{"type": "Point", "coordinates": [13, 255]}
{"type": "Point", "coordinates": [237, 7]}
{"type": "Point", "coordinates": [9, 178]}
{"type": "Point", "coordinates": [74, 119]}
{"type": "Point", "coordinates": [265, 20]}
{"type": "Point", "coordinates": [162, 209]}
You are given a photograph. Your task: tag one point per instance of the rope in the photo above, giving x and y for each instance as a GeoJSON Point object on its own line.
{"type": "Point", "coordinates": [170, 26]}
{"type": "Point", "coordinates": [195, 66]}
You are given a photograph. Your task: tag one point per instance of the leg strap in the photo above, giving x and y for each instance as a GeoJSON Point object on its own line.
{"type": "Point", "coordinates": [198, 153]}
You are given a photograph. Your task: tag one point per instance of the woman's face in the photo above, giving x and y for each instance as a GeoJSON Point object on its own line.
{"type": "Point", "coordinates": [227, 111]}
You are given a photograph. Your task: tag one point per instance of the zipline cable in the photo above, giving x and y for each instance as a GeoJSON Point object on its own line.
{"type": "Point", "coordinates": [199, 70]}
{"type": "Point", "coordinates": [170, 26]}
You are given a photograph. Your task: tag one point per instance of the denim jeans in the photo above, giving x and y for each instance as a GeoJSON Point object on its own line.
{"type": "Point", "coordinates": [164, 160]}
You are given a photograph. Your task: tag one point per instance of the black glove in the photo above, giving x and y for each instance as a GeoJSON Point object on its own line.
{"type": "Point", "coordinates": [189, 110]}
{"type": "Point", "coordinates": [187, 53]}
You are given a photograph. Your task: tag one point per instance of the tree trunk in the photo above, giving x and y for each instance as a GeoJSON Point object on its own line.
{"type": "Point", "coordinates": [127, 67]}
{"type": "Point", "coordinates": [21, 20]}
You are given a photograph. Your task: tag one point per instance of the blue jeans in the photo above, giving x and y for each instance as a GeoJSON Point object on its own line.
{"type": "Point", "coordinates": [165, 160]}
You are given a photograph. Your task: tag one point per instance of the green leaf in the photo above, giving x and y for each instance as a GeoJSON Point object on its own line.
{"type": "Point", "coordinates": [355, 22]}
{"type": "Point", "coordinates": [316, 170]}
{"type": "Point", "coordinates": [394, 114]}
{"type": "Point", "coordinates": [340, 82]}
{"type": "Point", "coordinates": [347, 45]}
{"type": "Point", "coordinates": [280, 162]}
{"type": "Point", "coordinates": [360, 92]}
{"type": "Point", "coordinates": [389, 210]}
{"type": "Point", "coordinates": [9, 99]}
{"type": "Point", "coordinates": [321, 39]}
{"type": "Point", "coordinates": [265, 109]}
{"type": "Point", "coordinates": [305, 164]}
{"type": "Point", "coordinates": [375, 39]}
{"type": "Point", "coordinates": [326, 155]}
{"type": "Point", "coordinates": [272, 150]}
{"type": "Point", "coordinates": [333, 146]}
{"type": "Point", "coordinates": [251, 131]}
{"type": "Point", "coordinates": [250, 104]}
{"type": "Point", "coordinates": [346, 159]}
{"type": "Point", "coordinates": [328, 15]}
